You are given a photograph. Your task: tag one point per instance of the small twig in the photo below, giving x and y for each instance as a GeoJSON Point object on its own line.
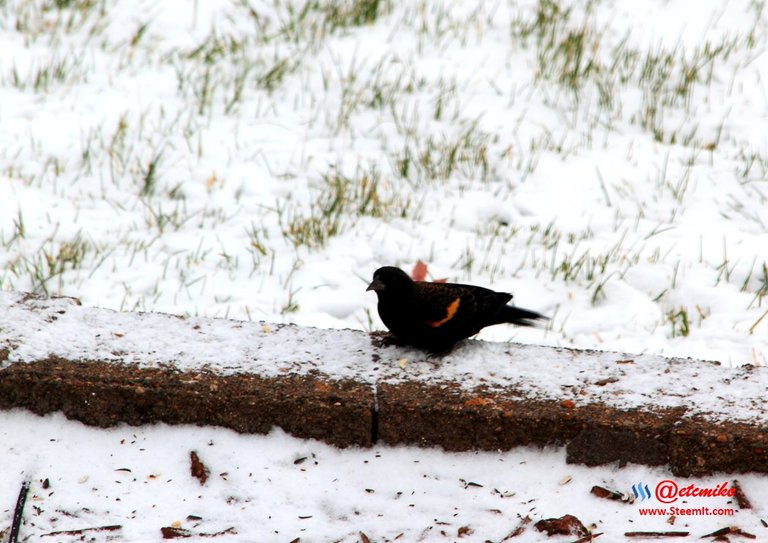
{"type": "Point", "coordinates": [18, 513]}
{"type": "Point", "coordinates": [525, 521]}
{"type": "Point", "coordinates": [607, 494]}
{"type": "Point", "coordinates": [110, 528]}
{"type": "Point", "coordinates": [656, 534]}
{"type": "Point", "coordinates": [741, 498]}
{"type": "Point", "coordinates": [172, 532]}
{"type": "Point", "coordinates": [588, 537]}
{"type": "Point", "coordinates": [226, 531]}
{"type": "Point", "coordinates": [730, 530]}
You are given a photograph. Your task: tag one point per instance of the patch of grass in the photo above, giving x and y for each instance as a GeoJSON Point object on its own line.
{"type": "Point", "coordinates": [50, 262]}
{"type": "Point", "coordinates": [45, 74]}
{"type": "Point", "coordinates": [339, 202]}
{"type": "Point", "coordinates": [258, 247]}
{"type": "Point", "coordinates": [19, 231]}
{"type": "Point", "coordinates": [761, 291]}
{"type": "Point", "coordinates": [726, 267]}
{"type": "Point", "coordinates": [346, 13]}
{"type": "Point", "coordinates": [49, 19]}
{"type": "Point", "coordinates": [310, 22]}
{"type": "Point", "coordinates": [291, 305]}
{"type": "Point", "coordinates": [585, 265]}
{"type": "Point", "coordinates": [438, 158]}
{"type": "Point", "coordinates": [566, 52]}
{"type": "Point", "coordinates": [440, 23]}
{"type": "Point", "coordinates": [149, 173]}
{"type": "Point", "coordinates": [163, 216]}
{"type": "Point", "coordinates": [752, 166]}
{"type": "Point", "coordinates": [569, 52]}
{"type": "Point", "coordinates": [223, 68]}
{"type": "Point", "coordinates": [382, 86]}
{"type": "Point", "coordinates": [678, 320]}
{"type": "Point", "coordinates": [668, 78]}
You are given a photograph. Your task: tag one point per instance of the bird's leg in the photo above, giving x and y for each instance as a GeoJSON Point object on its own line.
{"type": "Point", "coordinates": [442, 352]}
{"type": "Point", "coordinates": [385, 339]}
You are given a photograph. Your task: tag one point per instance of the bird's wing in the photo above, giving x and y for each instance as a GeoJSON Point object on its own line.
{"type": "Point", "coordinates": [455, 304]}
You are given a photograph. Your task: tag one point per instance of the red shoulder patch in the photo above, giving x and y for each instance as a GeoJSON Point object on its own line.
{"type": "Point", "coordinates": [449, 313]}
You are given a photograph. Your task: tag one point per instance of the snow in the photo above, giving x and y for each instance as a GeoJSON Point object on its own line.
{"type": "Point", "coordinates": [563, 178]}
{"type": "Point", "coordinates": [35, 329]}
{"type": "Point", "coordinates": [629, 208]}
{"type": "Point", "coordinates": [278, 488]}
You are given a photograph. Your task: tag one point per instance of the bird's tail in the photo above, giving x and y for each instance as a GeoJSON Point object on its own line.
{"type": "Point", "coordinates": [520, 316]}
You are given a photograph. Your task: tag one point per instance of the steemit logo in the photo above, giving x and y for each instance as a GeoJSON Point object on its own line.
{"type": "Point", "coordinates": [641, 491]}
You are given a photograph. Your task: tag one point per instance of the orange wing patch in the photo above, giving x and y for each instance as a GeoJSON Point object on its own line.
{"type": "Point", "coordinates": [450, 312]}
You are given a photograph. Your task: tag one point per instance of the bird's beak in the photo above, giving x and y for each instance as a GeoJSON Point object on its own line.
{"type": "Point", "coordinates": [376, 285]}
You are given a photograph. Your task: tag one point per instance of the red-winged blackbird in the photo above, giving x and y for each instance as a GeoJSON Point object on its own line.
{"type": "Point", "coordinates": [434, 316]}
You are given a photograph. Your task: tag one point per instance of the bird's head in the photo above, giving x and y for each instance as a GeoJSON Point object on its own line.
{"type": "Point", "coordinates": [390, 280]}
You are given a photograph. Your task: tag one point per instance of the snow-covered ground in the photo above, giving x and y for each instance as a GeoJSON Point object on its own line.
{"type": "Point", "coordinates": [278, 488]}
{"type": "Point", "coordinates": [607, 162]}
{"type": "Point", "coordinates": [34, 329]}
{"type": "Point", "coordinates": [260, 160]}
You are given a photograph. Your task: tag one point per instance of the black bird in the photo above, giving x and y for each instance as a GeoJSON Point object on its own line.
{"type": "Point", "coordinates": [434, 316]}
